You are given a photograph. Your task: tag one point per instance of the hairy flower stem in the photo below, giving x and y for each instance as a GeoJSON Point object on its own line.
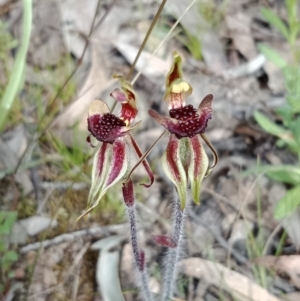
{"type": "Point", "coordinates": [138, 254]}
{"type": "Point", "coordinates": [172, 255]}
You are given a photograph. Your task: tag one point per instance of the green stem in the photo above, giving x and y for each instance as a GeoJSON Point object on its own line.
{"type": "Point", "coordinates": [16, 76]}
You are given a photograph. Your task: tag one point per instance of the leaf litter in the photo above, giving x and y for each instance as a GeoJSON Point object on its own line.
{"type": "Point", "coordinates": [236, 212]}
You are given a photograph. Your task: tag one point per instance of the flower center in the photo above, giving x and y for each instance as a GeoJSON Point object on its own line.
{"type": "Point", "coordinates": [189, 122]}
{"type": "Point", "coordinates": [101, 127]}
{"type": "Point", "coordinates": [184, 113]}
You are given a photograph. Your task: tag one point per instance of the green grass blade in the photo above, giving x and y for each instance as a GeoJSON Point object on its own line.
{"type": "Point", "coordinates": [269, 126]}
{"type": "Point", "coordinates": [288, 204]}
{"type": "Point", "coordinates": [288, 174]}
{"type": "Point", "coordinates": [276, 22]}
{"type": "Point", "coordinates": [272, 55]}
{"type": "Point", "coordinates": [16, 75]}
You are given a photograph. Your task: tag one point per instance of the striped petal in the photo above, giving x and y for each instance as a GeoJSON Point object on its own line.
{"type": "Point", "coordinates": [173, 165]}
{"type": "Point", "coordinates": [102, 178]}
{"type": "Point", "coordinates": [198, 166]}
{"type": "Point", "coordinates": [100, 168]}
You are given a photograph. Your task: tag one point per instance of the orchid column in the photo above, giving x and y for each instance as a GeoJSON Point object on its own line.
{"type": "Point", "coordinates": [185, 161]}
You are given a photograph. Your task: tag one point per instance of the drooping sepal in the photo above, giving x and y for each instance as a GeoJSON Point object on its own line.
{"type": "Point", "coordinates": [128, 193]}
{"type": "Point", "coordinates": [177, 89]}
{"type": "Point", "coordinates": [198, 167]}
{"type": "Point", "coordinates": [164, 241]}
{"type": "Point", "coordinates": [109, 166]}
{"type": "Point", "coordinates": [173, 162]}
{"type": "Point", "coordinates": [145, 163]}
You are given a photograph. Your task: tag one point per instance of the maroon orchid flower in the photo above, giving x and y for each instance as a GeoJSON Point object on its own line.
{"type": "Point", "coordinates": [185, 159]}
{"type": "Point", "coordinates": [112, 160]}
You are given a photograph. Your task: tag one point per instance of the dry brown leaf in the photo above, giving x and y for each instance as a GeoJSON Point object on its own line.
{"type": "Point", "coordinates": [94, 85]}
{"type": "Point", "coordinates": [12, 147]}
{"type": "Point", "coordinates": [217, 274]}
{"type": "Point", "coordinates": [156, 67]}
{"type": "Point", "coordinates": [211, 46]}
{"type": "Point", "coordinates": [77, 17]}
{"type": "Point", "coordinates": [287, 264]}
{"type": "Point", "coordinates": [47, 45]}
{"type": "Point", "coordinates": [239, 26]}
{"type": "Point", "coordinates": [295, 296]}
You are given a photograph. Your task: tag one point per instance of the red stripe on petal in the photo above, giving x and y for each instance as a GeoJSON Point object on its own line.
{"type": "Point", "coordinates": [197, 154]}
{"type": "Point", "coordinates": [101, 157]}
{"type": "Point", "coordinates": [171, 156]}
{"type": "Point", "coordinates": [175, 71]}
{"type": "Point", "coordinates": [118, 159]}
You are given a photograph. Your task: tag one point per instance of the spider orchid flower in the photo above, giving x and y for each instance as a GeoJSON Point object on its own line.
{"type": "Point", "coordinates": [112, 160]}
{"type": "Point", "coordinates": [185, 161]}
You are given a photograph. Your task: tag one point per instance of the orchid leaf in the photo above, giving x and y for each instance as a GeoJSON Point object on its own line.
{"type": "Point", "coordinates": [288, 174]}
{"type": "Point", "coordinates": [272, 56]}
{"type": "Point", "coordinates": [274, 20]}
{"type": "Point", "coordinates": [288, 204]}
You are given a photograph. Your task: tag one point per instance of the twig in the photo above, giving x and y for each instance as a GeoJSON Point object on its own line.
{"type": "Point", "coordinates": [223, 243]}
{"type": "Point", "coordinates": [76, 261]}
{"type": "Point", "coordinates": [162, 42]}
{"type": "Point", "coordinates": [95, 232]}
{"type": "Point", "coordinates": [76, 284]}
{"type": "Point", "coordinates": [157, 15]}
{"type": "Point", "coordinates": [271, 237]}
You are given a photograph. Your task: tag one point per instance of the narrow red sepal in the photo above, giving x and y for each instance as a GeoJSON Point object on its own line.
{"type": "Point", "coordinates": [145, 162]}
{"type": "Point", "coordinates": [128, 193]}
{"type": "Point", "coordinates": [164, 241]}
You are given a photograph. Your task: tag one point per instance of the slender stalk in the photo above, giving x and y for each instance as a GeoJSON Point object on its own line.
{"type": "Point", "coordinates": [146, 37]}
{"type": "Point", "coordinates": [162, 42]}
{"type": "Point", "coordinates": [154, 21]}
{"type": "Point", "coordinates": [16, 77]}
{"type": "Point", "coordinates": [172, 255]}
{"type": "Point", "coordinates": [138, 254]}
